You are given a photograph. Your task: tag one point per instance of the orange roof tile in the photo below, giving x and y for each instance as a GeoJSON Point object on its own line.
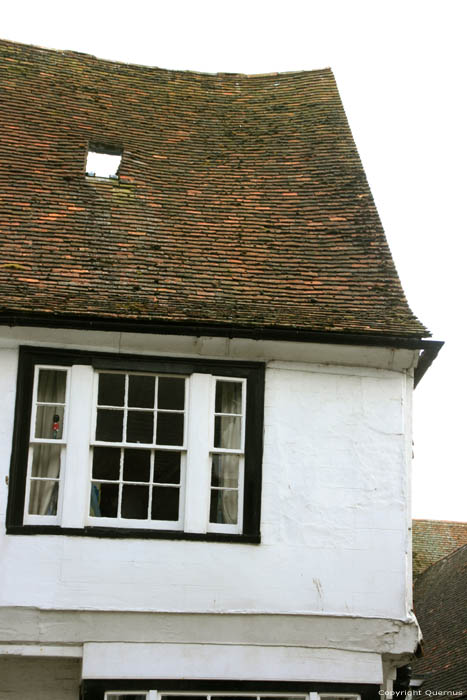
{"type": "Point", "coordinates": [241, 200]}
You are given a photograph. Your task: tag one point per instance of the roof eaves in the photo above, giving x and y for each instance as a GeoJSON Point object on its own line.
{"type": "Point", "coordinates": [294, 334]}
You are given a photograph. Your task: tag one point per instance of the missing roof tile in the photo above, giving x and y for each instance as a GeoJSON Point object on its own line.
{"type": "Point", "coordinates": [103, 161]}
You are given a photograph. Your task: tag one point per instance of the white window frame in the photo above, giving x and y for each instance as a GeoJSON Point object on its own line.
{"type": "Point", "coordinates": [238, 526]}
{"type": "Point", "coordinates": [150, 694]}
{"type": "Point", "coordinates": [118, 521]}
{"type": "Point", "coordinates": [159, 695]}
{"type": "Point", "coordinates": [33, 519]}
{"type": "Point", "coordinates": [233, 694]}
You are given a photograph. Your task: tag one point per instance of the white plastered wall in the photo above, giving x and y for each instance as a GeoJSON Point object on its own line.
{"type": "Point", "coordinates": [334, 510]}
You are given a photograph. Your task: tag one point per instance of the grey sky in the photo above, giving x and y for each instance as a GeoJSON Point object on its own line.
{"type": "Point", "coordinates": [401, 72]}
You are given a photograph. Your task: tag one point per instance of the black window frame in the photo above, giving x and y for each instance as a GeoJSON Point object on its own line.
{"type": "Point", "coordinates": [253, 372]}
{"type": "Point", "coordinates": [95, 689]}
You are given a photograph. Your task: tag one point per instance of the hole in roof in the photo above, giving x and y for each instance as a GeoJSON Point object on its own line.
{"type": "Point", "coordinates": [103, 161]}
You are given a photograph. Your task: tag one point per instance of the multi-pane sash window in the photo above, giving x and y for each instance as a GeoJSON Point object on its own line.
{"type": "Point", "coordinates": [155, 444]}
{"type": "Point", "coordinates": [227, 456]}
{"type": "Point", "coordinates": [155, 695]}
{"type": "Point", "coordinates": [219, 695]}
{"type": "Point", "coordinates": [138, 453]}
{"type": "Point", "coordinates": [47, 444]}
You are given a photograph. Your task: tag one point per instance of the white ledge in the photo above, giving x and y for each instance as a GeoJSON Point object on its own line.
{"type": "Point", "coordinates": [51, 650]}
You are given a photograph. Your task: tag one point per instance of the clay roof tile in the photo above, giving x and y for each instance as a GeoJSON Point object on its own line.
{"type": "Point", "coordinates": [241, 199]}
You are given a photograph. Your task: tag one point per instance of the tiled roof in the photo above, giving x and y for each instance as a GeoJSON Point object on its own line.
{"type": "Point", "coordinates": [241, 200]}
{"type": "Point", "coordinates": [440, 598]}
{"type": "Point", "coordinates": [434, 539]}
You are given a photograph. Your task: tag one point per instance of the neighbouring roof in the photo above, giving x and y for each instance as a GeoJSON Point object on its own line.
{"type": "Point", "coordinates": [241, 201]}
{"type": "Point", "coordinates": [434, 539]}
{"type": "Point", "coordinates": [440, 600]}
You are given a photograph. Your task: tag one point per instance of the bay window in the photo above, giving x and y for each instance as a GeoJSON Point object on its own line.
{"type": "Point", "coordinates": [107, 443]}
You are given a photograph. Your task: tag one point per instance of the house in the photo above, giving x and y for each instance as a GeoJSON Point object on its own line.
{"type": "Point", "coordinates": [433, 540]}
{"type": "Point", "coordinates": [440, 597]}
{"type": "Point", "coordinates": [207, 364]}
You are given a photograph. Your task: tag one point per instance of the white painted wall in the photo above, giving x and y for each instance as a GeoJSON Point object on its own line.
{"type": "Point", "coordinates": [236, 662]}
{"type": "Point", "coordinates": [334, 502]}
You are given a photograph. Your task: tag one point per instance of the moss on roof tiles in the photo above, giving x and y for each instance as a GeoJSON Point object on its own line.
{"type": "Point", "coordinates": [440, 602]}
{"type": "Point", "coordinates": [434, 539]}
{"type": "Point", "coordinates": [241, 199]}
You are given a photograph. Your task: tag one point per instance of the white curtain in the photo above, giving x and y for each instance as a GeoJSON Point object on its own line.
{"type": "Point", "coordinates": [46, 456]}
{"type": "Point", "coordinates": [230, 438]}
{"type": "Point", "coordinates": [44, 492]}
{"type": "Point", "coordinates": [230, 498]}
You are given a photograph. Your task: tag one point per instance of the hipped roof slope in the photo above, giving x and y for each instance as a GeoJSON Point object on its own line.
{"type": "Point", "coordinates": [241, 200]}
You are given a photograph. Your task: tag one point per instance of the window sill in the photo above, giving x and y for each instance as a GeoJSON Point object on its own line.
{"type": "Point", "coordinates": [133, 534]}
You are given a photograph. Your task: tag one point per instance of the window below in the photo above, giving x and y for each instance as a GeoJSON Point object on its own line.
{"type": "Point", "coordinates": [103, 161]}
{"type": "Point", "coordinates": [138, 689]}
{"type": "Point", "coordinates": [132, 443]}
{"type": "Point", "coordinates": [129, 696]}
{"type": "Point", "coordinates": [219, 695]}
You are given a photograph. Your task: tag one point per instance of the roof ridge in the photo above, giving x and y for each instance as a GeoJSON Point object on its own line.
{"type": "Point", "coordinates": [220, 74]}
{"type": "Point", "coordinates": [440, 561]}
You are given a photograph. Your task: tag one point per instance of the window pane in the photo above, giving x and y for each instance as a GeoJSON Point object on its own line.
{"type": "Point", "coordinates": [239, 697]}
{"type": "Point", "coordinates": [140, 426]}
{"type": "Point", "coordinates": [109, 427]}
{"type": "Point", "coordinates": [43, 497]}
{"type": "Point", "coordinates": [225, 470]}
{"type": "Point", "coordinates": [169, 429]}
{"type": "Point", "coordinates": [191, 697]}
{"type": "Point", "coordinates": [135, 501]}
{"type": "Point", "coordinates": [167, 467]}
{"type": "Point", "coordinates": [224, 507]}
{"type": "Point", "coordinates": [171, 393]}
{"type": "Point", "coordinates": [141, 391]}
{"type": "Point", "coordinates": [228, 397]}
{"type": "Point", "coordinates": [104, 500]}
{"type": "Point", "coordinates": [136, 465]}
{"type": "Point", "coordinates": [286, 697]}
{"type": "Point", "coordinates": [49, 422]}
{"type": "Point", "coordinates": [52, 385]}
{"type": "Point", "coordinates": [46, 461]}
{"type": "Point", "coordinates": [228, 432]}
{"type": "Point", "coordinates": [164, 503]}
{"type": "Point", "coordinates": [111, 390]}
{"type": "Point", "coordinates": [106, 463]}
